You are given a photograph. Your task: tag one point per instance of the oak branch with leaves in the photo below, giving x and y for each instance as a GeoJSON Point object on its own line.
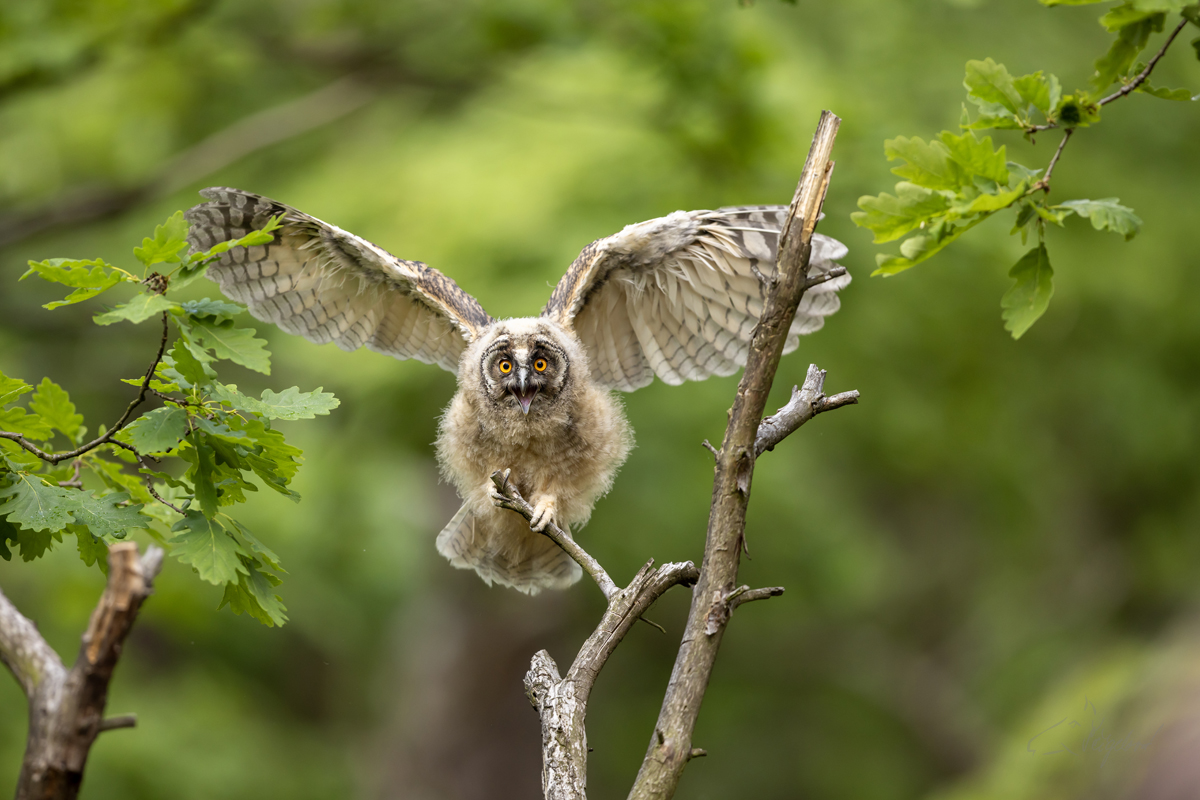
{"type": "Point", "coordinates": [219, 438]}
{"type": "Point", "coordinates": [955, 182]}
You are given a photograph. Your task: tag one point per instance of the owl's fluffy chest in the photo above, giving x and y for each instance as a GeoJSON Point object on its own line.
{"type": "Point", "coordinates": [570, 452]}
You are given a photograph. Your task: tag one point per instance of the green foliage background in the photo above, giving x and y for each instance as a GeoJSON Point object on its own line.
{"type": "Point", "coordinates": [998, 531]}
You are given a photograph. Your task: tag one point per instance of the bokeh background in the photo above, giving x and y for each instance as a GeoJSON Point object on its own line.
{"type": "Point", "coordinates": [1002, 538]}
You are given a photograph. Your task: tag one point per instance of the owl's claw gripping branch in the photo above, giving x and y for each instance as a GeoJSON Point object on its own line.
{"type": "Point", "coordinates": [507, 496]}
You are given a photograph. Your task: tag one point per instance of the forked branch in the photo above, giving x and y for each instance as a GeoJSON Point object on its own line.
{"type": "Point", "coordinates": [66, 707]}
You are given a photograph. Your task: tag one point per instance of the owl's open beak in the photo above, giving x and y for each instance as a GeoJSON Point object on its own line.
{"type": "Point", "coordinates": [524, 397]}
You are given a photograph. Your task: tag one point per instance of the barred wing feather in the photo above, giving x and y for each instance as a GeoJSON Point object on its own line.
{"type": "Point", "coordinates": [327, 285]}
{"type": "Point", "coordinates": [678, 297]}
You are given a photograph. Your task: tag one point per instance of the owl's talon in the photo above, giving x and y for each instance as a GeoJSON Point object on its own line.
{"type": "Point", "coordinates": [543, 514]}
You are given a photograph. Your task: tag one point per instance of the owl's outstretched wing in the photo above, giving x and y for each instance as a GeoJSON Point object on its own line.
{"type": "Point", "coordinates": [328, 285]}
{"type": "Point", "coordinates": [677, 296]}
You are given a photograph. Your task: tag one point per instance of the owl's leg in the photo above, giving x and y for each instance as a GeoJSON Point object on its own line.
{"type": "Point", "coordinates": [543, 512]}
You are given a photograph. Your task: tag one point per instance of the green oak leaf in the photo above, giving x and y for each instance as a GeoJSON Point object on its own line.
{"type": "Point", "coordinates": [927, 164]}
{"type": "Point", "coordinates": [1028, 298]}
{"type": "Point", "coordinates": [205, 545]}
{"type": "Point", "coordinates": [290, 404]}
{"type": "Point", "coordinates": [11, 389]}
{"type": "Point", "coordinates": [892, 217]}
{"type": "Point", "coordinates": [29, 502]}
{"type": "Point", "coordinates": [254, 594]}
{"type": "Point", "coordinates": [208, 307]}
{"type": "Point", "coordinates": [157, 431]}
{"type": "Point", "coordinates": [227, 342]}
{"type": "Point", "coordinates": [1107, 215]}
{"type": "Point", "coordinates": [104, 517]}
{"type": "Point", "coordinates": [141, 308]}
{"type": "Point", "coordinates": [201, 474]}
{"type": "Point", "coordinates": [1070, 2]}
{"type": "Point", "coordinates": [8, 533]}
{"type": "Point", "coordinates": [1181, 95]}
{"type": "Point", "coordinates": [1135, 11]}
{"type": "Point", "coordinates": [52, 403]}
{"type": "Point", "coordinates": [169, 239]}
{"type": "Point", "coordinates": [923, 246]}
{"type": "Point", "coordinates": [187, 274]}
{"type": "Point", "coordinates": [1130, 41]}
{"type": "Point", "coordinates": [975, 156]}
{"type": "Point", "coordinates": [31, 426]}
{"type": "Point", "coordinates": [181, 367]}
{"type": "Point", "coordinates": [989, 83]}
{"type": "Point", "coordinates": [88, 278]}
{"type": "Point", "coordinates": [1041, 91]}
{"type": "Point", "coordinates": [92, 550]}
{"type": "Point", "coordinates": [251, 544]}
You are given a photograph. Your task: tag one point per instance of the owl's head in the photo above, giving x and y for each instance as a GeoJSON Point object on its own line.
{"type": "Point", "coordinates": [526, 365]}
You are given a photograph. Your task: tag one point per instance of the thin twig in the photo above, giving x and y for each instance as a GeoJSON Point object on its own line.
{"type": "Point", "coordinates": [75, 482]}
{"type": "Point", "coordinates": [817, 280]}
{"type": "Point", "coordinates": [508, 497]}
{"type": "Point", "coordinates": [1145, 73]}
{"type": "Point", "coordinates": [806, 402]}
{"type": "Point", "coordinates": [55, 458]}
{"type": "Point", "coordinates": [708, 446]}
{"type": "Point", "coordinates": [122, 721]}
{"type": "Point", "coordinates": [1044, 183]}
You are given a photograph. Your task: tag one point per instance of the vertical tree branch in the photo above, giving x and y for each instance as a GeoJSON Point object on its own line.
{"type": "Point", "coordinates": [671, 743]}
{"type": "Point", "coordinates": [66, 707]}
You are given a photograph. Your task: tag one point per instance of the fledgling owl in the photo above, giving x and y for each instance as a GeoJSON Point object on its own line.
{"type": "Point", "coordinates": [675, 297]}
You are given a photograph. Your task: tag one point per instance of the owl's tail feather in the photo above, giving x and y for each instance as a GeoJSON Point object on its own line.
{"type": "Point", "coordinates": [510, 555]}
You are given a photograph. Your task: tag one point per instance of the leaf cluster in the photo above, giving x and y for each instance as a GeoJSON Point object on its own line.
{"type": "Point", "coordinates": [955, 182]}
{"type": "Point", "coordinates": [175, 470]}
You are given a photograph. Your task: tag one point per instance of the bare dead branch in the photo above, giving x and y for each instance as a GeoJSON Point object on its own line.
{"type": "Point", "coordinates": [670, 747]}
{"type": "Point", "coordinates": [807, 401]}
{"type": "Point", "coordinates": [561, 702]}
{"type": "Point", "coordinates": [508, 497]}
{"type": "Point", "coordinates": [66, 708]}
{"type": "Point", "coordinates": [817, 280]}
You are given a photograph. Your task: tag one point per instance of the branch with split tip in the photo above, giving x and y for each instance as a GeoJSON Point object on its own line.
{"type": "Point", "coordinates": [55, 458]}
{"type": "Point", "coordinates": [66, 714]}
{"type": "Point", "coordinates": [670, 748]}
{"type": "Point", "coordinates": [561, 702]}
{"type": "Point", "coordinates": [707, 445]}
{"type": "Point", "coordinates": [724, 604]}
{"type": "Point", "coordinates": [806, 402]}
{"type": "Point", "coordinates": [508, 497]}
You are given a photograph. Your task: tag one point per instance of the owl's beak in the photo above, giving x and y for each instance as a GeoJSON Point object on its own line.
{"type": "Point", "coordinates": [524, 393]}
{"type": "Point", "coordinates": [524, 396]}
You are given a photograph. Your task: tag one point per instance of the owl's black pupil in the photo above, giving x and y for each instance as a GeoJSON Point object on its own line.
{"type": "Point", "coordinates": [505, 366]}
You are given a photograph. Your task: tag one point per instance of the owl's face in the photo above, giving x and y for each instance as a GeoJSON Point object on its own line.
{"type": "Point", "coordinates": [525, 365]}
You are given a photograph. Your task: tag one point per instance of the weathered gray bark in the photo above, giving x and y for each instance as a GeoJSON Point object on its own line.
{"type": "Point", "coordinates": [66, 707]}
{"type": "Point", "coordinates": [715, 594]}
{"type": "Point", "coordinates": [561, 701]}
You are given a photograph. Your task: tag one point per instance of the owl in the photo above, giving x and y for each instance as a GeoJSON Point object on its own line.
{"type": "Point", "coordinates": [675, 297]}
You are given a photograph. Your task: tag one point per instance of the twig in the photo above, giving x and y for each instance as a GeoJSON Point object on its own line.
{"type": "Point", "coordinates": [508, 497]}
{"type": "Point", "coordinates": [805, 404]}
{"type": "Point", "coordinates": [708, 446]}
{"type": "Point", "coordinates": [122, 721]}
{"type": "Point", "coordinates": [1044, 183]}
{"type": "Point", "coordinates": [66, 707]}
{"type": "Point", "coordinates": [75, 482]}
{"type": "Point", "coordinates": [1145, 73]}
{"type": "Point", "coordinates": [55, 458]}
{"type": "Point", "coordinates": [817, 280]}
{"type": "Point", "coordinates": [670, 746]}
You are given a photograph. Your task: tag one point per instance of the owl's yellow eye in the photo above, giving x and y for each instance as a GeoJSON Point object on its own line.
{"type": "Point", "coordinates": [540, 365]}
{"type": "Point", "coordinates": [505, 367]}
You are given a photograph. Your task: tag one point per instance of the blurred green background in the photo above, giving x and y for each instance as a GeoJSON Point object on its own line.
{"type": "Point", "coordinates": [1001, 538]}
